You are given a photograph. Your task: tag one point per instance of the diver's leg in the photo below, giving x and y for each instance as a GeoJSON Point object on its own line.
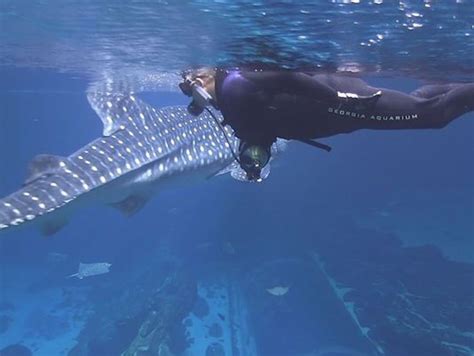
{"type": "Point", "coordinates": [397, 110]}
{"type": "Point", "coordinates": [458, 101]}
{"type": "Point", "coordinates": [429, 91]}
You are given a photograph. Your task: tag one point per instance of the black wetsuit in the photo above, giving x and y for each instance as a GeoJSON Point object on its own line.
{"type": "Point", "coordinates": [261, 106]}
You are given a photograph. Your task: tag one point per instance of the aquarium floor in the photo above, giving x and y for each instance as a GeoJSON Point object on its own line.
{"type": "Point", "coordinates": [48, 324]}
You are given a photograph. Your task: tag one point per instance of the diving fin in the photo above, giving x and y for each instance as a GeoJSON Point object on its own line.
{"type": "Point", "coordinates": [316, 144]}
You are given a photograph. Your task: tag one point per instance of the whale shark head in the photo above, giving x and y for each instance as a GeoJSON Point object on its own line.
{"type": "Point", "coordinates": [198, 140]}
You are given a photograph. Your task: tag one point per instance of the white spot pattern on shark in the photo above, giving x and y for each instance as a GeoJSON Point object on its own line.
{"type": "Point", "coordinates": [137, 139]}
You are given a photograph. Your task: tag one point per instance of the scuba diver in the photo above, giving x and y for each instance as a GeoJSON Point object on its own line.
{"type": "Point", "coordinates": [262, 106]}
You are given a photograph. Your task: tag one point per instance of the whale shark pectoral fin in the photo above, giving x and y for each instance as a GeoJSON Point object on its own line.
{"type": "Point", "coordinates": [266, 171]}
{"type": "Point", "coordinates": [52, 226]}
{"type": "Point", "coordinates": [227, 169]}
{"type": "Point", "coordinates": [240, 175]}
{"type": "Point", "coordinates": [43, 165]}
{"type": "Point", "coordinates": [131, 205]}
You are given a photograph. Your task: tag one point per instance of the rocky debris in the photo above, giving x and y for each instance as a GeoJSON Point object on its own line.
{"type": "Point", "coordinates": [16, 350]}
{"type": "Point", "coordinates": [201, 308]}
{"type": "Point", "coordinates": [215, 330]}
{"type": "Point", "coordinates": [412, 300]}
{"type": "Point", "coordinates": [141, 313]}
{"type": "Point", "coordinates": [300, 313]}
{"type": "Point", "coordinates": [215, 349]}
{"type": "Point", "coordinates": [168, 307]}
{"type": "Point", "coordinates": [45, 324]}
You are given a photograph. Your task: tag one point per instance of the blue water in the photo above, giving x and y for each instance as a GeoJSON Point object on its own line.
{"type": "Point", "coordinates": [373, 241]}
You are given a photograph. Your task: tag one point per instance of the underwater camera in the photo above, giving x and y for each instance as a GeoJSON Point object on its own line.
{"type": "Point", "coordinates": [201, 98]}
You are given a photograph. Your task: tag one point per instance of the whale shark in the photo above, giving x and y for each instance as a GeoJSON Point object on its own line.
{"type": "Point", "coordinates": [142, 150]}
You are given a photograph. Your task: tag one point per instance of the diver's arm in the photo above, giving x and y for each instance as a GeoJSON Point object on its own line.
{"type": "Point", "coordinates": [292, 83]}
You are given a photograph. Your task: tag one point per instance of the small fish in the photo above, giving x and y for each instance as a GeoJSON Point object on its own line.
{"type": "Point", "coordinates": [204, 245]}
{"type": "Point", "coordinates": [91, 269]}
{"type": "Point", "coordinates": [278, 291]}
{"type": "Point", "coordinates": [228, 248]}
{"type": "Point", "coordinates": [221, 316]}
{"type": "Point", "coordinates": [56, 257]}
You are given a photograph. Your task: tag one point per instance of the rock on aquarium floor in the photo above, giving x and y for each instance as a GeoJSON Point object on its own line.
{"type": "Point", "coordinates": [45, 325]}
{"type": "Point", "coordinates": [218, 324]}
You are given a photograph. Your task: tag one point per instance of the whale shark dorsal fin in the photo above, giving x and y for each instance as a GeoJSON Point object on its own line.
{"type": "Point", "coordinates": [106, 108]}
{"type": "Point", "coordinates": [117, 110]}
{"type": "Point", "coordinates": [130, 205]}
{"type": "Point", "coordinates": [43, 165]}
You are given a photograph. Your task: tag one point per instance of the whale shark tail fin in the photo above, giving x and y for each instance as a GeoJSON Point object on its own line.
{"type": "Point", "coordinates": [45, 190]}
